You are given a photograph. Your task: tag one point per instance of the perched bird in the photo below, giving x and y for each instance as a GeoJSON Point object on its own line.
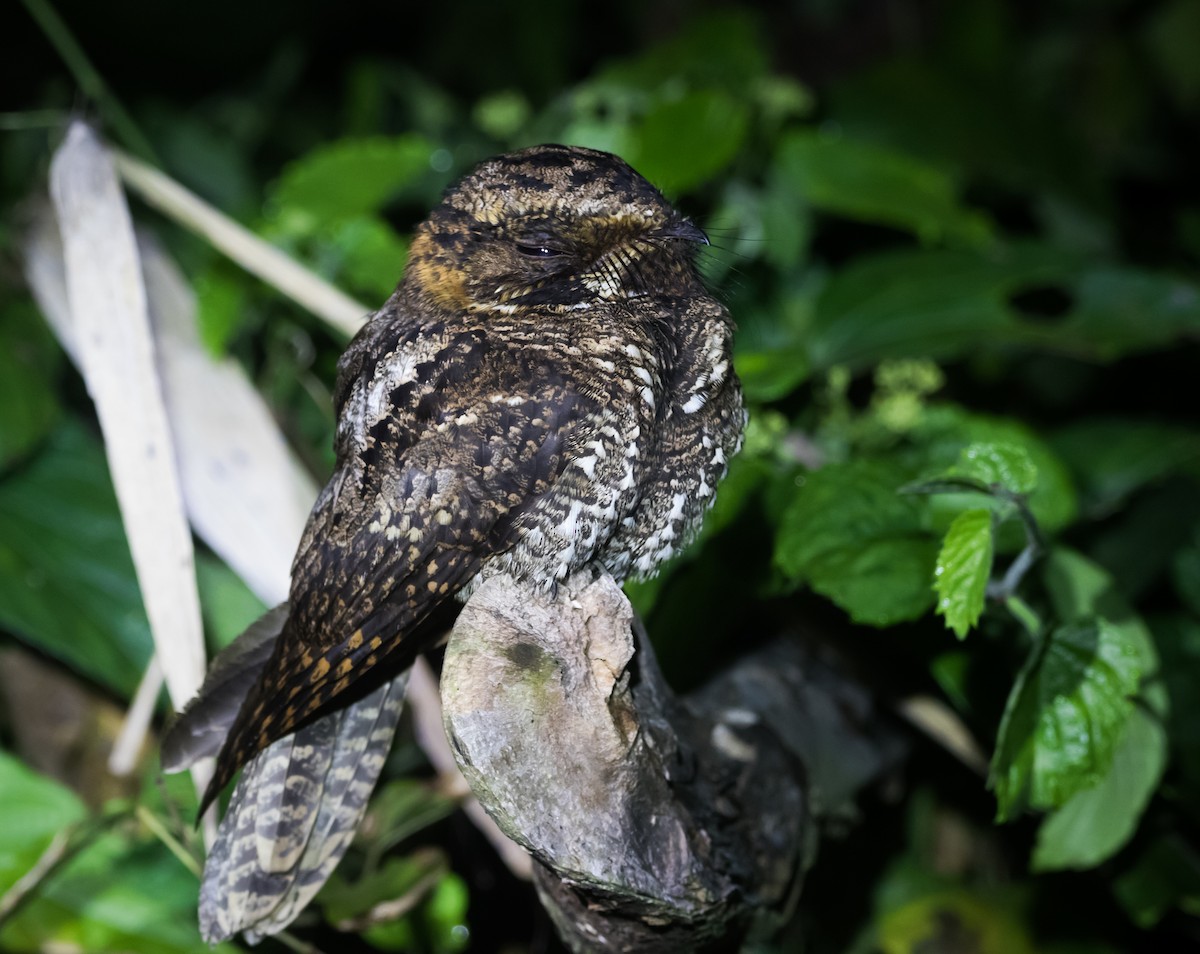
{"type": "Point", "coordinates": [548, 391]}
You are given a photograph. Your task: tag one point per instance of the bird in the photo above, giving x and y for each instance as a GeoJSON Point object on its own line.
{"type": "Point", "coordinates": [549, 391]}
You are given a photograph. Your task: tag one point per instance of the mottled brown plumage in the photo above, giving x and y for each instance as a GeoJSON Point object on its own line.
{"type": "Point", "coordinates": [548, 389]}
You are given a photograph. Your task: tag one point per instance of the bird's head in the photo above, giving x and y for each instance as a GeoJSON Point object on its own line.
{"type": "Point", "coordinates": [557, 227]}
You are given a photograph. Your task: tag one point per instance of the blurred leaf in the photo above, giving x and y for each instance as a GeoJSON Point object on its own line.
{"type": "Point", "coordinates": [960, 575]}
{"type": "Point", "coordinates": [374, 255]}
{"type": "Point", "coordinates": [1097, 822]}
{"type": "Point", "coordinates": [222, 302]}
{"type": "Point", "coordinates": [1118, 311]}
{"type": "Point", "coordinates": [851, 536]}
{"type": "Point", "coordinates": [388, 892]}
{"type": "Point", "coordinates": [34, 809]}
{"type": "Point", "coordinates": [949, 922]}
{"type": "Point", "coordinates": [401, 808]}
{"type": "Point", "coordinates": [1165, 875]}
{"type": "Point", "coordinates": [879, 185]}
{"type": "Point", "coordinates": [502, 114]}
{"type": "Point", "coordinates": [350, 177]}
{"type": "Point", "coordinates": [114, 893]}
{"type": "Point", "coordinates": [1170, 36]}
{"type": "Point", "coordinates": [226, 602]}
{"type": "Point", "coordinates": [682, 143]}
{"type": "Point", "coordinates": [770, 375]}
{"type": "Point", "coordinates": [935, 304]}
{"type": "Point", "coordinates": [29, 364]}
{"type": "Point", "coordinates": [1114, 457]}
{"type": "Point", "coordinates": [67, 583]}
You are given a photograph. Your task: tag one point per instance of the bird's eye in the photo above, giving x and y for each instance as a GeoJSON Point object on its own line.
{"type": "Point", "coordinates": [539, 251]}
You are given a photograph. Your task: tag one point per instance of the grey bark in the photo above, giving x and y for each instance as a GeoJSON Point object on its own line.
{"type": "Point", "coordinates": [656, 823]}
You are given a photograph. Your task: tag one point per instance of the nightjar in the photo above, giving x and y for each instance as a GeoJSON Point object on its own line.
{"type": "Point", "coordinates": [548, 391]}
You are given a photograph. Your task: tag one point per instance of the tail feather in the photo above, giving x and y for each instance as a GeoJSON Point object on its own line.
{"type": "Point", "coordinates": [292, 816]}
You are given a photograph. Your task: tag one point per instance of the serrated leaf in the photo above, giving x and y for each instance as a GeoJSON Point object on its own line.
{"type": "Point", "coordinates": [963, 566]}
{"type": "Point", "coordinates": [350, 177]}
{"type": "Point", "coordinates": [1065, 715]}
{"type": "Point", "coordinates": [872, 183]}
{"type": "Point", "coordinates": [1097, 822]}
{"type": "Point", "coordinates": [944, 430]}
{"type": "Point", "coordinates": [852, 537]}
{"type": "Point", "coordinates": [67, 584]}
{"type": "Point", "coordinates": [1007, 465]}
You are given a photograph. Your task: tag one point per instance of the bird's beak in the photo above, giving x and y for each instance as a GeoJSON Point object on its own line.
{"type": "Point", "coordinates": [686, 230]}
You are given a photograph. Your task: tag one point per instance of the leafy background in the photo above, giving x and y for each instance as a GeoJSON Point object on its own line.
{"type": "Point", "coordinates": [961, 241]}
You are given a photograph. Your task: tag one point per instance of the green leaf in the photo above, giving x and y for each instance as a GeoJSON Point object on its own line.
{"type": "Point", "coordinates": [226, 602]}
{"type": "Point", "coordinates": [964, 563]}
{"type": "Point", "coordinates": [1097, 822]}
{"type": "Point", "coordinates": [1115, 457]}
{"type": "Point", "coordinates": [945, 431]}
{"type": "Point", "coordinates": [401, 808]}
{"type": "Point", "coordinates": [852, 537]}
{"type": "Point", "coordinates": [116, 892]}
{"type": "Point", "coordinates": [876, 184]}
{"type": "Point", "coordinates": [681, 144]}
{"type": "Point", "coordinates": [1064, 717]}
{"type": "Point", "coordinates": [350, 177]}
{"type": "Point", "coordinates": [34, 809]}
{"type": "Point", "coordinates": [928, 304]}
{"type": "Point", "coordinates": [1165, 875]}
{"type": "Point", "coordinates": [67, 583]}
{"type": "Point", "coordinates": [940, 921]}
{"type": "Point", "coordinates": [401, 883]}
{"type": "Point", "coordinates": [29, 363]}
{"type": "Point", "coordinates": [1006, 465]}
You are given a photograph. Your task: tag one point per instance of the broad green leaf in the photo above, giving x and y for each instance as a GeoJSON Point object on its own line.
{"type": "Point", "coordinates": [945, 431]}
{"type": "Point", "coordinates": [67, 583]}
{"type": "Point", "coordinates": [852, 537]}
{"type": "Point", "coordinates": [226, 602]}
{"type": "Point", "coordinates": [1003, 464]}
{"type": "Point", "coordinates": [963, 566]}
{"type": "Point", "coordinates": [222, 302]}
{"type": "Point", "coordinates": [928, 304]}
{"type": "Point", "coordinates": [1118, 311]}
{"type": "Point", "coordinates": [1097, 822]}
{"type": "Point", "coordinates": [1065, 716]}
{"type": "Point", "coordinates": [350, 177]}
{"type": "Point", "coordinates": [1114, 457]}
{"type": "Point", "coordinates": [680, 144]}
{"type": "Point", "coordinates": [873, 183]}
{"type": "Point", "coordinates": [372, 255]}
{"type": "Point", "coordinates": [119, 892]}
{"type": "Point", "coordinates": [29, 363]}
{"type": "Point", "coordinates": [34, 809]}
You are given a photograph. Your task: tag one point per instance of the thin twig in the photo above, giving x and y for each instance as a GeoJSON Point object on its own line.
{"type": "Point", "coordinates": [259, 257]}
{"type": "Point", "coordinates": [154, 823]}
{"type": "Point", "coordinates": [88, 77]}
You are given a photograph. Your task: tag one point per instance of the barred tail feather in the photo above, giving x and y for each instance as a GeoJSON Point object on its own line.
{"type": "Point", "coordinates": [292, 816]}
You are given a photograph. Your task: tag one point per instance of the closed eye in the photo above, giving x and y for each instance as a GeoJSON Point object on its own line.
{"type": "Point", "coordinates": [540, 251]}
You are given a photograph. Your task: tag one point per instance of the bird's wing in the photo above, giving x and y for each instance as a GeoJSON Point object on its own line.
{"type": "Point", "coordinates": [431, 472]}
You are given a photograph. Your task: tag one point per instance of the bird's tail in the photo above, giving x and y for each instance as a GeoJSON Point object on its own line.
{"type": "Point", "coordinates": [298, 803]}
